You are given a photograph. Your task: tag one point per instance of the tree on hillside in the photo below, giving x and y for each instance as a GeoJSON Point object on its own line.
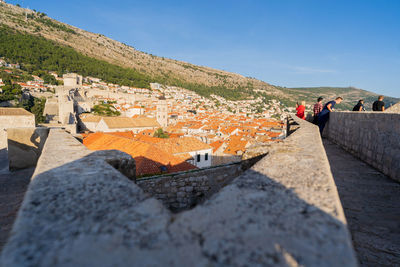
{"type": "Point", "coordinates": [10, 91]}
{"type": "Point", "coordinates": [39, 54]}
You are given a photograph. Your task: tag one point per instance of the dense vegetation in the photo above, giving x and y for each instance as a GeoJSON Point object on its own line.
{"type": "Point", "coordinates": [34, 105]}
{"type": "Point", "coordinates": [236, 93]}
{"type": "Point", "coordinates": [10, 90]}
{"type": "Point", "coordinates": [160, 133]}
{"type": "Point", "coordinates": [38, 54]}
{"type": "Point", "coordinates": [105, 109]}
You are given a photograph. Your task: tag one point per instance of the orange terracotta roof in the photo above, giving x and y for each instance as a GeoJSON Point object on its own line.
{"type": "Point", "coordinates": [127, 134]}
{"type": "Point", "coordinates": [148, 132]}
{"type": "Point", "coordinates": [235, 145]}
{"type": "Point", "coordinates": [270, 124]}
{"type": "Point", "coordinates": [147, 139]}
{"type": "Point", "coordinates": [176, 135]}
{"type": "Point", "coordinates": [216, 145]}
{"type": "Point", "coordinates": [272, 134]}
{"type": "Point", "coordinates": [148, 158]}
{"type": "Point", "coordinates": [182, 145]}
{"type": "Point", "coordinates": [184, 156]}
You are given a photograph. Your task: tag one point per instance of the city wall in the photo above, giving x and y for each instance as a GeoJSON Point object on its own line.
{"type": "Point", "coordinates": [180, 191]}
{"type": "Point", "coordinates": [81, 209]}
{"type": "Point", "coordinates": [13, 121]}
{"type": "Point", "coordinates": [25, 146]}
{"type": "Point", "coordinates": [374, 137]}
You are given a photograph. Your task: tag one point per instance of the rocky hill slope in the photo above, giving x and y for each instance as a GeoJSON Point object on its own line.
{"type": "Point", "coordinates": [158, 69]}
{"type": "Point", "coordinates": [104, 48]}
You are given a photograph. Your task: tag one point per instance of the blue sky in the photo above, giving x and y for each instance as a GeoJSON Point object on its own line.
{"type": "Point", "coordinates": [283, 42]}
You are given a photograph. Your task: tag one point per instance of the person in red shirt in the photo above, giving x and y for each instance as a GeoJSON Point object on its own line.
{"type": "Point", "coordinates": [301, 110]}
{"type": "Point", "coordinates": [317, 109]}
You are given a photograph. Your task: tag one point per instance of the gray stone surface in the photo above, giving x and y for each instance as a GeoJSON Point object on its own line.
{"type": "Point", "coordinates": [393, 109]}
{"type": "Point", "coordinates": [371, 204]}
{"type": "Point", "coordinates": [284, 211]}
{"type": "Point", "coordinates": [12, 190]}
{"type": "Point", "coordinates": [25, 146]}
{"type": "Point", "coordinates": [180, 191]}
{"type": "Point", "coordinates": [374, 137]}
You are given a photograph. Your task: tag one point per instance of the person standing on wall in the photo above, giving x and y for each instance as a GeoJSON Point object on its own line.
{"type": "Point", "coordinates": [301, 110]}
{"type": "Point", "coordinates": [379, 105]}
{"type": "Point", "coordinates": [323, 116]}
{"type": "Point", "coordinates": [359, 106]}
{"type": "Point", "coordinates": [317, 109]}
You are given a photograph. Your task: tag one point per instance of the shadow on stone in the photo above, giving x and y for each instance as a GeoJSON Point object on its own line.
{"type": "Point", "coordinates": [85, 213]}
{"type": "Point", "coordinates": [184, 190]}
{"type": "Point", "coordinates": [25, 146]}
{"type": "Point", "coordinates": [370, 201]}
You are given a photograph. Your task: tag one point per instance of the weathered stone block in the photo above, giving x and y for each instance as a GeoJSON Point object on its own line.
{"type": "Point", "coordinates": [374, 137]}
{"type": "Point", "coordinates": [25, 146]}
{"type": "Point", "coordinates": [189, 188]}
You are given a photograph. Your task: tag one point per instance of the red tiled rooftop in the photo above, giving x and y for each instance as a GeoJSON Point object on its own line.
{"type": "Point", "coordinates": [148, 158]}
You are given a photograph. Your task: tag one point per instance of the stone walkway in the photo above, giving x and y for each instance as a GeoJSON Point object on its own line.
{"type": "Point", "coordinates": [13, 186]}
{"type": "Point", "coordinates": [371, 203]}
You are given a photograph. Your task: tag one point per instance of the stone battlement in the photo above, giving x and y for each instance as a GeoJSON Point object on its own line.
{"type": "Point", "coordinates": [82, 210]}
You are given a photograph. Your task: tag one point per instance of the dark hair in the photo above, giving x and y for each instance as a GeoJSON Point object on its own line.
{"type": "Point", "coordinates": [320, 99]}
{"type": "Point", "coordinates": [339, 97]}
{"type": "Point", "coordinates": [380, 97]}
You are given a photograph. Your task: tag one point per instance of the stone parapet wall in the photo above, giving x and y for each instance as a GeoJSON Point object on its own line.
{"type": "Point", "coordinates": [80, 211]}
{"type": "Point", "coordinates": [13, 122]}
{"type": "Point", "coordinates": [181, 191]}
{"type": "Point", "coordinates": [393, 109]}
{"type": "Point", "coordinates": [374, 137]}
{"type": "Point", "coordinates": [25, 146]}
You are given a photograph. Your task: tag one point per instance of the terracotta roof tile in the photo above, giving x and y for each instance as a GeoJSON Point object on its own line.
{"type": "Point", "coordinates": [149, 158]}
{"type": "Point", "coordinates": [216, 145]}
{"type": "Point", "coordinates": [182, 145]}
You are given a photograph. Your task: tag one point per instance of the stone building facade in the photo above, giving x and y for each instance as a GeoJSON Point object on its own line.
{"type": "Point", "coordinates": [13, 118]}
{"type": "Point", "coordinates": [162, 112]}
{"type": "Point", "coordinates": [72, 80]}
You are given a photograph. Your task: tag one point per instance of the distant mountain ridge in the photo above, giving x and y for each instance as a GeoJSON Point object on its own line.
{"type": "Point", "coordinates": [203, 80]}
{"type": "Point", "coordinates": [351, 95]}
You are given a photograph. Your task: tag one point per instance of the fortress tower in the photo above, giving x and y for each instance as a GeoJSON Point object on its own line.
{"type": "Point", "coordinates": [162, 112]}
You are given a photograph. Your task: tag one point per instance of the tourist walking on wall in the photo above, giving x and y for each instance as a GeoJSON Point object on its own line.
{"type": "Point", "coordinates": [359, 106]}
{"type": "Point", "coordinates": [317, 109]}
{"type": "Point", "coordinates": [301, 110]}
{"type": "Point", "coordinates": [379, 105]}
{"type": "Point", "coordinates": [323, 116]}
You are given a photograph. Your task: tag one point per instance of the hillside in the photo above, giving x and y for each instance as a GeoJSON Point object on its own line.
{"type": "Point", "coordinates": [54, 46]}
{"type": "Point", "coordinates": [351, 95]}
{"type": "Point", "coordinates": [160, 69]}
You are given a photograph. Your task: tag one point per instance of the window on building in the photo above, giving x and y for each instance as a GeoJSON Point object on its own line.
{"type": "Point", "coordinates": [198, 158]}
{"type": "Point", "coordinates": [206, 156]}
